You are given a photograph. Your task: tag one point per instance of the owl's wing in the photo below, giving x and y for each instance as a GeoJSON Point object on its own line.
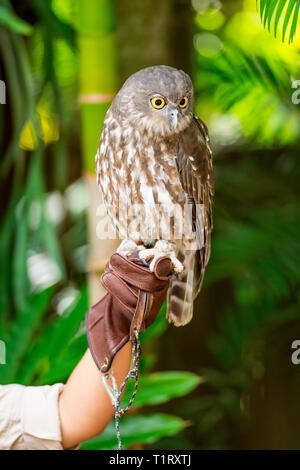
{"type": "Point", "coordinates": [194, 162]}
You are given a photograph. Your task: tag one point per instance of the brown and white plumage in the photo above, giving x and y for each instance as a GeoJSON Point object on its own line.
{"type": "Point", "coordinates": [195, 168]}
{"type": "Point", "coordinates": [146, 162]}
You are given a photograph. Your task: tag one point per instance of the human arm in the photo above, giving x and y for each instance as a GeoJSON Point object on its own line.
{"type": "Point", "coordinates": [134, 298]}
{"type": "Point", "coordinates": [85, 409]}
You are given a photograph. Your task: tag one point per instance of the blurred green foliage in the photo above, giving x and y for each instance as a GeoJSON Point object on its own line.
{"type": "Point", "coordinates": [238, 345]}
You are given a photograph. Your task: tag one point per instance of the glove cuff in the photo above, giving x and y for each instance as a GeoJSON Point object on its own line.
{"type": "Point", "coordinates": [135, 295]}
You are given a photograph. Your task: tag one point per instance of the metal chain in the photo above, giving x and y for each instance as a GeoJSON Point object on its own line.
{"type": "Point", "coordinates": [116, 394]}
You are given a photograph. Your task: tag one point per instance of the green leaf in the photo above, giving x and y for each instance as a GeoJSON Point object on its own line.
{"type": "Point", "coordinates": [162, 386]}
{"type": "Point", "coordinates": [6, 240]}
{"type": "Point", "coordinates": [54, 25]}
{"type": "Point", "coordinates": [287, 18]}
{"type": "Point", "coordinates": [55, 351]}
{"type": "Point", "coordinates": [54, 345]}
{"type": "Point", "coordinates": [142, 429]}
{"type": "Point", "coordinates": [267, 11]}
{"type": "Point", "coordinates": [21, 334]}
{"type": "Point", "coordinates": [271, 8]}
{"type": "Point", "coordinates": [20, 277]}
{"type": "Point", "coordinates": [62, 368]}
{"type": "Point", "coordinates": [51, 242]}
{"type": "Point", "coordinates": [294, 23]}
{"type": "Point", "coordinates": [278, 15]}
{"type": "Point", "coordinates": [21, 95]}
{"type": "Point", "coordinates": [12, 22]}
{"type": "Point", "coordinates": [43, 238]}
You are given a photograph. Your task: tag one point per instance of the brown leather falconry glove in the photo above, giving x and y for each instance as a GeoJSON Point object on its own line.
{"type": "Point", "coordinates": [135, 295]}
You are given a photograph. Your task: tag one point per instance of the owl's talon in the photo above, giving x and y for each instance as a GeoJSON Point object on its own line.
{"type": "Point", "coordinates": [127, 247]}
{"type": "Point", "coordinates": [162, 248]}
{"type": "Point", "coordinates": [147, 253]}
{"type": "Point", "coordinates": [178, 267]}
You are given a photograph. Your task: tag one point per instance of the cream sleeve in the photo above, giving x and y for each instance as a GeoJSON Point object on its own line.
{"type": "Point", "coordinates": [29, 418]}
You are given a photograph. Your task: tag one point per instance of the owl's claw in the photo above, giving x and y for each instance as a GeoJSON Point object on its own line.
{"type": "Point", "coordinates": [162, 248]}
{"type": "Point", "coordinates": [127, 247]}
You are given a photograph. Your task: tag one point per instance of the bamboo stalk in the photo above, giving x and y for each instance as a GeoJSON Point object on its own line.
{"type": "Point", "coordinates": [98, 84]}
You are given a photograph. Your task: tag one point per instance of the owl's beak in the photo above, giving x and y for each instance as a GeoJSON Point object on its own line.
{"type": "Point", "coordinates": [172, 118]}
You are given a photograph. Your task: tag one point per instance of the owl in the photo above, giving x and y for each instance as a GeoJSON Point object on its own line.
{"type": "Point", "coordinates": [154, 169]}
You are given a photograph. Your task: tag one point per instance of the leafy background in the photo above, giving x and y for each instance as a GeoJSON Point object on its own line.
{"type": "Point", "coordinates": [226, 380]}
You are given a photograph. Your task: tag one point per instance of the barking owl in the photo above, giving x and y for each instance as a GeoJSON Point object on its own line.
{"type": "Point", "coordinates": [154, 169]}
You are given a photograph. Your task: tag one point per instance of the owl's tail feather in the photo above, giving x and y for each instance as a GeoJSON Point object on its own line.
{"type": "Point", "coordinates": [184, 288]}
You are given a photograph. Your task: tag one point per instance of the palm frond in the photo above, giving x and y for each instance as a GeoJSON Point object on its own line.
{"type": "Point", "coordinates": [254, 86]}
{"type": "Point", "coordinates": [272, 11]}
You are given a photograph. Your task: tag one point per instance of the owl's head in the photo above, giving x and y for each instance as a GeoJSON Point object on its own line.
{"type": "Point", "coordinates": [156, 100]}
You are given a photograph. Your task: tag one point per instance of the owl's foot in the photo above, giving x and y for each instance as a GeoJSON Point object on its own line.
{"type": "Point", "coordinates": [160, 249]}
{"type": "Point", "coordinates": [127, 247]}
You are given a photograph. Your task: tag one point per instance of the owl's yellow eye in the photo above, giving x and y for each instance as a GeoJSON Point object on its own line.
{"type": "Point", "coordinates": [158, 102]}
{"type": "Point", "coordinates": [183, 102]}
